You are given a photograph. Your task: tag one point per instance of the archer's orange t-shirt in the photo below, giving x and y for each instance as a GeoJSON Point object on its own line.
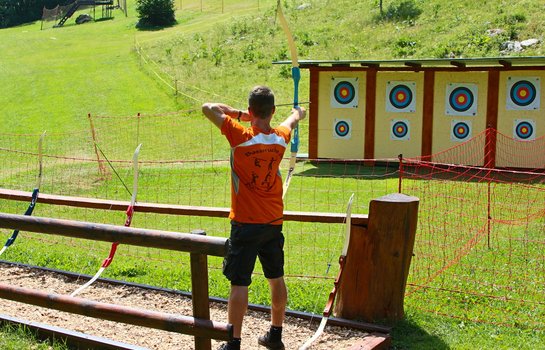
{"type": "Point", "coordinates": [256, 183]}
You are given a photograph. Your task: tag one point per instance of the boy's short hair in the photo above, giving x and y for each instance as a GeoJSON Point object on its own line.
{"type": "Point", "coordinates": [261, 101]}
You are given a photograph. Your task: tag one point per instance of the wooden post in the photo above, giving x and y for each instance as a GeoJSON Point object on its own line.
{"type": "Point", "coordinates": [314, 93]}
{"type": "Point", "coordinates": [101, 167]}
{"type": "Point", "coordinates": [492, 103]}
{"type": "Point", "coordinates": [427, 117]}
{"type": "Point", "coordinates": [199, 291]}
{"type": "Point", "coordinates": [378, 260]}
{"type": "Point", "coordinates": [370, 114]}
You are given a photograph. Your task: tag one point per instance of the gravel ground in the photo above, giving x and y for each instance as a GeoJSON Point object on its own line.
{"type": "Point", "coordinates": [295, 333]}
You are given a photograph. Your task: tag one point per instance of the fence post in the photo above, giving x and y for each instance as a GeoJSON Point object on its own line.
{"type": "Point", "coordinates": [199, 291]}
{"type": "Point", "coordinates": [101, 167]}
{"type": "Point", "coordinates": [378, 260]}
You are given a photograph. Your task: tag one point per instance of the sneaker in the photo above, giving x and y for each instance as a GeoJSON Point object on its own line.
{"type": "Point", "coordinates": [265, 340]}
{"type": "Point", "coordinates": [226, 346]}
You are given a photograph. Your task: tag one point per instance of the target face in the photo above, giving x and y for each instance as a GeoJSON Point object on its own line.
{"type": "Point", "coordinates": [344, 92]}
{"type": "Point", "coordinates": [461, 99]}
{"type": "Point", "coordinates": [460, 130]}
{"type": "Point", "coordinates": [342, 128]}
{"type": "Point", "coordinates": [524, 130]}
{"type": "Point", "coordinates": [400, 129]}
{"type": "Point", "coordinates": [523, 93]}
{"type": "Point", "coordinates": [401, 96]}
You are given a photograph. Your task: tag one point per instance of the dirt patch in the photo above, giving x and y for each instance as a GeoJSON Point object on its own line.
{"type": "Point", "coordinates": [295, 333]}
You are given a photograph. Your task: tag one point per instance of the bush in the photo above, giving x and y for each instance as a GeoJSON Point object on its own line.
{"type": "Point", "coordinates": [404, 47]}
{"type": "Point", "coordinates": [13, 13]}
{"type": "Point", "coordinates": [406, 10]}
{"type": "Point", "coordinates": [156, 12]}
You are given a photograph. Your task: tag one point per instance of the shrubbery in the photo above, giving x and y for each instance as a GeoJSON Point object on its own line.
{"type": "Point", "coordinates": [155, 12]}
{"type": "Point", "coordinates": [406, 10]}
{"type": "Point", "coordinates": [15, 12]}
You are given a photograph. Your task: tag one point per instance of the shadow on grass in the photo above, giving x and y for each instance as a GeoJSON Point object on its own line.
{"type": "Point", "coordinates": [353, 169]}
{"type": "Point", "coordinates": [407, 335]}
{"type": "Point", "coordinates": [147, 27]}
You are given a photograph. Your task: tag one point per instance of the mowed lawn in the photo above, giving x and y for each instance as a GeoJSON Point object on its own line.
{"type": "Point", "coordinates": [51, 79]}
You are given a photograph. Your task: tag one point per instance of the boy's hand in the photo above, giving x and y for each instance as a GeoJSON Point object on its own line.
{"type": "Point", "coordinates": [301, 111]}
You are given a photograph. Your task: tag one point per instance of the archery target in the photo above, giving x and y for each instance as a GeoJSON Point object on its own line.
{"type": "Point", "coordinates": [342, 129]}
{"type": "Point", "coordinates": [460, 130]}
{"type": "Point", "coordinates": [461, 99]}
{"type": "Point", "coordinates": [344, 92]}
{"type": "Point", "coordinates": [523, 93]}
{"type": "Point", "coordinates": [400, 130]}
{"type": "Point", "coordinates": [401, 96]}
{"type": "Point", "coordinates": [524, 130]}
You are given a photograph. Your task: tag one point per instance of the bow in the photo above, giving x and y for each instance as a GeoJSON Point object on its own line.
{"type": "Point", "coordinates": [342, 261]}
{"type": "Point", "coordinates": [34, 197]}
{"type": "Point", "coordinates": [128, 220]}
{"type": "Point", "coordinates": [296, 76]}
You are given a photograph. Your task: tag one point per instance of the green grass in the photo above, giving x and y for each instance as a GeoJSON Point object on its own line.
{"type": "Point", "coordinates": [20, 338]}
{"type": "Point", "coordinates": [51, 79]}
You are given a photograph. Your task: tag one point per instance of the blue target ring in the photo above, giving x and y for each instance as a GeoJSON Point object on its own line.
{"type": "Point", "coordinates": [523, 93]}
{"type": "Point", "coordinates": [342, 128]}
{"type": "Point", "coordinates": [401, 96]}
{"type": "Point", "coordinates": [461, 99]}
{"type": "Point", "coordinates": [344, 92]}
{"type": "Point", "coordinates": [524, 130]}
{"type": "Point", "coordinates": [461, 130]}
{"type": "Point", "coordinates": [400, 129]}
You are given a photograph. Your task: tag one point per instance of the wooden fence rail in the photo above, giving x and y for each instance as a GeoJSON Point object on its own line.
{"type": "Point", "coordinates": [118, 313]}
{"type": "Point", "coordinates": [171, 209]}
{"type": "Point", "coordinates": [185, 242]}
{"type": "Point", "coordinates": [197, 244]}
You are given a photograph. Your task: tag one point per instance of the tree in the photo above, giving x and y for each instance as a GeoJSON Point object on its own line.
{"type": "Point", "coordinates": [156, 12]}
{"type": "Point", "coordinates": [13, 13]}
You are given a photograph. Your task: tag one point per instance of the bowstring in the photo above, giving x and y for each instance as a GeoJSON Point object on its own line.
{"type": "Point", "coordinates": [115, 171]}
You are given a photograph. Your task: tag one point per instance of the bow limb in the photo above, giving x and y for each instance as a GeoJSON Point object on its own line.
{"type": "Point", "coordinates": [40, 160]}
{"type": "Point", "coordinates": [34, 197]}
{"type": "Point", "coordinates": [342, 260]}
{"type": "Point", "coordinates": [130, 209]}
{"type": "Point", "coordinates": [128, 220]}
{"type": "Point", "coordinates": [296, 76]}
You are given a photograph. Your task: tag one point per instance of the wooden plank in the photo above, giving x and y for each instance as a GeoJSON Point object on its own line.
{"type": "Point", "coordinates": [492, 106]}
{"type": "Point", "coordinates": [313, 113]}
{"type": "Point", "coordinates": [374, 341]}
{"type": "Point", "coordinates": [171, 209]}
{"type": "Point", "coordinates": [370, 114]}
{"type": "Point", "coordinates": [73, 339]}
{"type": "Point", "coordinates": [185, 242]}
{"type": "Point", "coordinates": [119, 313]}
{"type": "Point", "coordinates": [427, 115]}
